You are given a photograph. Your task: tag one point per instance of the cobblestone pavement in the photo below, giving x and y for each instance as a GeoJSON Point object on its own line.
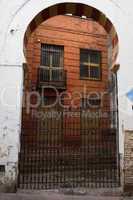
{"type": "Point", "coordinates": [56, 196]}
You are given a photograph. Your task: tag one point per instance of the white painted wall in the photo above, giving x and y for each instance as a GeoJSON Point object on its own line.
{"type": "Point", "coordinates": [10, 121]}
{"type": "Point", "coordinates": [16, 15]}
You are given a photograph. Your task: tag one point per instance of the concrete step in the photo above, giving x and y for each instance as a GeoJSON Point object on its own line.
{"type": "Point", "coordinates": [57, 195]}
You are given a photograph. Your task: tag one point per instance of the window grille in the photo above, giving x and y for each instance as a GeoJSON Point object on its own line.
{"type": "Point", "coordinates": [52, 61]}
{"type": "Point", "coordinates": [90, 64]}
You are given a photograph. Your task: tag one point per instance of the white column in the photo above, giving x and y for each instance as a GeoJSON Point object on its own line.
{"type": "Point", "coordinates": [11, 78]}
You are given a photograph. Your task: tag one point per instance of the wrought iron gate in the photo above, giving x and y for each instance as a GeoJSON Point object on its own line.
{"type": "Point", "coordinates": [69, 149]}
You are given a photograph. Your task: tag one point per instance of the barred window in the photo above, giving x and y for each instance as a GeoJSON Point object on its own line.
{"type": "Point", "coordinates": [93, 101]}
{"type": "Point", "coordinates": [52, 55]}
{"type": "Point", "coordinates": [90, 64]}
{"type": "Point", "coordinates": [52, 61]}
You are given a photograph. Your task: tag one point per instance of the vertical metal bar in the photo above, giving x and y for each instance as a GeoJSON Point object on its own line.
{"type": "Point", "coordinates": [117, 131]}
{"type": "Point", "coordinates": [88, 165]}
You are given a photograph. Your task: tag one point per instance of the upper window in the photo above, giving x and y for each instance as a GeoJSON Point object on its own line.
{"type": "Point", "coordinates": [90, 64]}
{"type": "Point", "coordinates": [52, 62]}
{"type": "Point", "coordinates": [52, 56]}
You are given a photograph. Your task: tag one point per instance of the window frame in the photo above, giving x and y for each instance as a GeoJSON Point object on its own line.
{"type": "Point", "coordinates": [100, 65]}
{"type": "Point", "coordinates": [51, 67]}
{"type": "Point", "coordinates": [86, 105]}
{"type": "Point", "coordinates": [51, 62]}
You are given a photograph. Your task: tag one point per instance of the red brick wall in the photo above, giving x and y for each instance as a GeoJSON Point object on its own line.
{"type": "Point", "coordinates": [73, 33]}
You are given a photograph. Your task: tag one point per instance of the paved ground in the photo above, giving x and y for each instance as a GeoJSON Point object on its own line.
{"type": "Point", "coordinates": [56, 196]}
{"type": "Point", "coordinates": [52, 197]}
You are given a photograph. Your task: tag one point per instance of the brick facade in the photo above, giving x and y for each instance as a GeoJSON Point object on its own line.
{"type": "Point", "coordinates": [74, 34]}
{"type": "Point", "coordinates": [93, 134]}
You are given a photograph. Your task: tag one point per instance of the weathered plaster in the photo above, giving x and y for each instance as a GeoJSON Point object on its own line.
{"type": "Point", "coordinates": [10, 101]}
{"type": "Point", "coordinates": [128, 162]}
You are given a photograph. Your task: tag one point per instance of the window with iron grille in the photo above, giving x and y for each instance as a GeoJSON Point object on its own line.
{"type": "Point", "coordinates": [90, 64]}
{"type": "Point", "coordinates": [52, 60]}
{"type": "Point", "coordinates": [92, 102]}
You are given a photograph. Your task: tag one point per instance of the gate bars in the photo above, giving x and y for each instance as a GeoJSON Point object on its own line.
{"type": "Point", "coordinates": [69, 149]}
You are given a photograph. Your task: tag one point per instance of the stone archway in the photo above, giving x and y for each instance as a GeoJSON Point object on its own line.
{"type": "Point", "coordinates": [77, 9]}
